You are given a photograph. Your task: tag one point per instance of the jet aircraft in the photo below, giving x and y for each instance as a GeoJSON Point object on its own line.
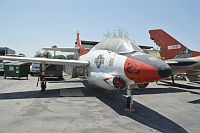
{"type": "Point", "coordinates": [178, 56]}
{"type": "Point", "coordinates": [115, 63]}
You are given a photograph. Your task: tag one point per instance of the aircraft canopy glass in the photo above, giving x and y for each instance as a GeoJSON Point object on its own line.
{"type": "Point", "coordinates": [118, 45]}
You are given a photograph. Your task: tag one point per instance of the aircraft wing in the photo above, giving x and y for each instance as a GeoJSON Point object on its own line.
{"type": "Point", "coordinates": [64, 49]}
{"type": "Point", "coordinates": [169, 62]}
{"type": "Point", "coordinates": [189, 66]}
{"type": "Point", "coordinates": [46, 61]}
{"type": "Point", "coordinates": [181, 62]}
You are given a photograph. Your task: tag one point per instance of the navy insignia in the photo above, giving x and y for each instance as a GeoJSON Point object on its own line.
{"type": "Point", "coordinates": [99, 60]}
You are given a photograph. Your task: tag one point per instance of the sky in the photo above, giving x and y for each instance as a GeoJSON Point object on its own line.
{"type": "Point", "coordinates": [29, 25]}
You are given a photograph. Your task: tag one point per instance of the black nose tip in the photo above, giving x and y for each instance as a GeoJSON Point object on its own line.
{"type": "Point", "coordinates": [164, 71]}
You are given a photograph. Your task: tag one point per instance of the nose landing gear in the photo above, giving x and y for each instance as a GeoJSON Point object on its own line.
{"type": "Point", "coordinates": [129, 100]}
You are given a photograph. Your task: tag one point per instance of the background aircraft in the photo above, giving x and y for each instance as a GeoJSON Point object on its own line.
{"type": "Point", "coordinates": [180, 58]}
{"type": "Point", "coordinates": [115, 63]}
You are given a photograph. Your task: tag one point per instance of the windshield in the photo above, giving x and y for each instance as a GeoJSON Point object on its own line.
{"type": "Point", "coordinates": [136, 47]}
{"type": "Point", "coordinates": [118, 45]}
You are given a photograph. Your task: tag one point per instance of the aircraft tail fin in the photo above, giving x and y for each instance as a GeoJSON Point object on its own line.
{"type": "Point", "coordinates": [169, 47]}
{"type": "Point", "coordinates": [82, 50]}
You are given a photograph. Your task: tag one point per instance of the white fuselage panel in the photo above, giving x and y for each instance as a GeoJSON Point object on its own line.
{"type": "Point", "coordinates": [104, 64]}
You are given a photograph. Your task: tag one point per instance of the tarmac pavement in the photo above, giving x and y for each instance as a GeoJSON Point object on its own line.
{"type": "Point", "coordinates": [75, 106]}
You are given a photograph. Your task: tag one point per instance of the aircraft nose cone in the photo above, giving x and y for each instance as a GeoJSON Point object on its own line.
{"type": "Point", "coordinates": [164, 71]}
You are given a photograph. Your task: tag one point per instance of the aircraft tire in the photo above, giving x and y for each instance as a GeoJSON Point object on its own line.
{"type": "Point", "coordinates": [128, 102]}
{"type": "Point", "coordinates": [43, 86]}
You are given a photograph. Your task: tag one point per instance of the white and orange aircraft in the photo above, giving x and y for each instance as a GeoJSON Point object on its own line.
{"type": "Point", "coordinates": [115, 63]}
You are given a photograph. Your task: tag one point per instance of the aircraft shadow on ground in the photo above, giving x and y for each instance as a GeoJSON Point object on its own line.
{"type": "Point", "coordinates": [53, 93]}
{"type": "Point", "coordinates": [187, 89]}
{"type": "Point", "coordinates": [66, 81]}
{"type": "Point", "coordinates": [195, 101]}
{"type": "Point", "coordinates": [116, 101]}
{"type": "Point", "coordinates": [189, 86]}
{"type": "Point", "coordinates": [156, 91]}
{"type": "Point", "coordinates": [143, 114]}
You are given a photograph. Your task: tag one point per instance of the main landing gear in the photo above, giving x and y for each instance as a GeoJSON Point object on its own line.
{"type": "Point", "coordinates": [129, 100]}
{"type": "Point", "coordinates": [41, 78]}
{"type": "Point", "coordinates": [172, 77]}
{"type": "Point", "coordinates": [43, 83]}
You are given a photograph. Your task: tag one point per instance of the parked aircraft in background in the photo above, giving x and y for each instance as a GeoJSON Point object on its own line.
{"type": "Point", "coordinates": [115, 63]}
{"type": "Point", "coordinates": [178, 56]}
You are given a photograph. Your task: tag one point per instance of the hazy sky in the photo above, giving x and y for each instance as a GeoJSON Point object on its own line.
{"type": "Point", "coordinates": [28, 25]}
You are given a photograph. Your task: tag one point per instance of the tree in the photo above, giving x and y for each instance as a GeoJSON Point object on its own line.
{"type": "Point", "coordinates": [43, 53]}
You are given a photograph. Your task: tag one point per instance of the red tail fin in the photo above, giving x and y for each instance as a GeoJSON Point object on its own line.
{"type": "Point", "coordinates": [82, 49]}
{"type": "Point", "coordinates": [170, 47]}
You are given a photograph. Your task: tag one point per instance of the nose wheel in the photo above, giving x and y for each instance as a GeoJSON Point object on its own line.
{"type": "Point", "coordinates": [129, 100]}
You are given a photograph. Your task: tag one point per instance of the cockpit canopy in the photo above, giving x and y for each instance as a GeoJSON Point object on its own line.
{"type": "Point", "coordinates": [118, 45]}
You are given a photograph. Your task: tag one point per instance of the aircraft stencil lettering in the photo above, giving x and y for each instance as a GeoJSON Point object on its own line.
{"type": "Point", "coordinates": [174, 46]}
{"type": "Point", "coordinates": [111, 61]}
{"type": "Point", "coordinates": [133, 68]}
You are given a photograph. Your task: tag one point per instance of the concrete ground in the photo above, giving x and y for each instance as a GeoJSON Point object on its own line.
{"type": "Point", "coordinates": [68, 106]}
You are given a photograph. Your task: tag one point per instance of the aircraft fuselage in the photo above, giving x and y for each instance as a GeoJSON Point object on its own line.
{"type": "Point", "coordinates": [105, 65]}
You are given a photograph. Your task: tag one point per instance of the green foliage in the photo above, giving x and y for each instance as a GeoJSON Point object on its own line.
{"type": "Point", "coordinates": [54, 46]}
{"type": "Point", "coordinates": [43, 53]}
